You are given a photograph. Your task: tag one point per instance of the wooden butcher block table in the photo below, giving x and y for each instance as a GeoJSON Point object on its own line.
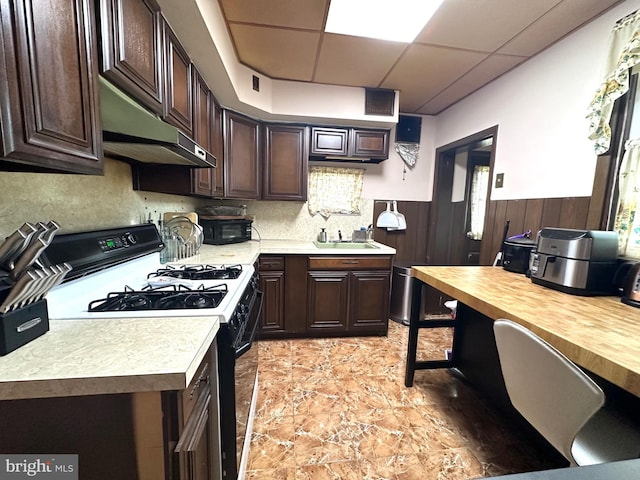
{"type": "Point", "coordinates": [600, 334]}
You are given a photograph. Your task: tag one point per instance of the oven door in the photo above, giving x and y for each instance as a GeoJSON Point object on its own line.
{"type": "Point", "coordinates": [246, 369]}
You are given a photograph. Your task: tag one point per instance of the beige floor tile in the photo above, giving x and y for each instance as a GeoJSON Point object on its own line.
{"type": "Point", "coordinates": [272, 444]}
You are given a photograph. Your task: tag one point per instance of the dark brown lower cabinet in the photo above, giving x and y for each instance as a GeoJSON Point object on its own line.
{"type": "Point", "coordinates": [369, 302]}
{"type": "Point", "coordinates": [170, 435]}
{"type": "Point", "coordinates": [193, 446]}
{"type": "Point", "coordinates": [315, 296]}
{"type": "Point", "coordinates": [272, 285]}
{"type": "Point", "coordinates": [327, 302]}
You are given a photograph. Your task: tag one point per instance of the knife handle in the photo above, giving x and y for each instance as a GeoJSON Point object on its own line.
{"type": "Point", "coordinates": [27, 258]}
{"type": "Point", "coordinates": [52, 229]}
{"type": "Point", "coordinates": [15, 241]}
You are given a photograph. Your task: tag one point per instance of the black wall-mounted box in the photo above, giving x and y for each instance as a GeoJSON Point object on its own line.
{"type": "Point", "coordinates": [408, 129]}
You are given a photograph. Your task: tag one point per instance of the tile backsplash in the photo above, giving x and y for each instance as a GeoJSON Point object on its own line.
{"type": "Point", "coordinates": [83, 202]}
{"type": "Point", "coordinates": [291, 220]}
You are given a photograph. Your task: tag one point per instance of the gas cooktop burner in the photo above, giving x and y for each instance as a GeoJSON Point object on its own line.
{"type": "Point", "coordinates": [170, 297]}
{"type": "Point", "coordinates": [199, 272]}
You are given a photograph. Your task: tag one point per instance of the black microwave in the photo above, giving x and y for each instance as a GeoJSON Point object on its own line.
{"type": "Point", "coordinates": [222, 232]}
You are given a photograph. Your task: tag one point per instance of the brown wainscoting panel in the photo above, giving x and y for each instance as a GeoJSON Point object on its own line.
{"type": "Point", "coordinates": [530, 214]}
{"type": "Point", "coordinates": [410, 244]}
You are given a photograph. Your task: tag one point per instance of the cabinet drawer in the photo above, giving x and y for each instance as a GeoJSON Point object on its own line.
{"type": "Point", "coordinates": [199, 382]}
{"type": "Point", "coordinates": [271, 263]}
{"type": "Point", "coordinates": [349, 263]}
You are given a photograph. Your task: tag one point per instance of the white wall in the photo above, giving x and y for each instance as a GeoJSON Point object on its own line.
{"type": "Point", "coordinates": [540, 107]}
{"type": "Point", "coordinates": [387, 180]}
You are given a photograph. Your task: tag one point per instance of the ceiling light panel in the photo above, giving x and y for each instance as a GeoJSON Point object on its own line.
{"type": "Point", "coordinates": [393, 20]}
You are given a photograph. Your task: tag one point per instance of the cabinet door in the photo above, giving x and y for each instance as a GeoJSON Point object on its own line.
{"type": "Point", "coordinates": [272, 318]}
{"type": "Point", "coordinates": [178, 105]}
{"type": "Point", "coordinates": [203, 178]}
{"type": "Point", "coordinates": [370, 143]}
{"type": "Point", "coordinates": [327, 302]}
{"type": "Point", "coordinates": [329, 141]}
{"type": "Point", "coordinates": [218, 149]}
{"type": "Point", "coordinates": [286, 163]}
{"type": "Point", "coordinates": [131, 40]}
{"type": "Point", "coordinates": [49, 96]}
{"type": "Point", "coordinates": [369, 302]}
{"type": "Point", "coordinates": [241, 155]}
{"type": "Point", "coordinates": [193, 446]}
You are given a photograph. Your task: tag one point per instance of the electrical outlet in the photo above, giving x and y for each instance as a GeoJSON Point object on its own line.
{"type": "Point", "coordinates": [499, 180]}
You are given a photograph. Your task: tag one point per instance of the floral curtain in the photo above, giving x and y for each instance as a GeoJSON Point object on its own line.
{"type": "Point", "coordinates": [624, 53]}
{"type": "Point", "coordinates": [335, 190]}
{"type": "Point", "coordinates": [627, 223]}
{"type": "Point", "coordinates": [479, 191]}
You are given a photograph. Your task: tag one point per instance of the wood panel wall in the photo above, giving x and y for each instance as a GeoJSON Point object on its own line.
{"type": "Point", "coordinates": [410, 244]}
{"type": "Point", "coordinates": [530, 214]}
{"type": "Point", "coordinates": [526, 214]}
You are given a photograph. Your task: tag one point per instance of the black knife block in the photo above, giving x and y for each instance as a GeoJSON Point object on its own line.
{"type": "Point", "coordinates": [20, 326]}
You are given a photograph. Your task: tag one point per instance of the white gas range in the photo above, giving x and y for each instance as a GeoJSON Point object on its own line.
{"type": "Point", "coordinates": [137, 287]}
{"type": "Point", "coordinates": [117, 273]}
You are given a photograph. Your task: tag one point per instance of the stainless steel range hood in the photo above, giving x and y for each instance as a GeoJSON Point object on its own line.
{"type": "Point", "coordinates": [131, 132]}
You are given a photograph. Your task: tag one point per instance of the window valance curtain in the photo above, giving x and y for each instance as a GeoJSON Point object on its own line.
{"type": "Point", "coordinates": [624, 53]}
{"type": "Point", "coordinates": [334, 190]}
{"type": "Point", "coordinates": [627, 222]}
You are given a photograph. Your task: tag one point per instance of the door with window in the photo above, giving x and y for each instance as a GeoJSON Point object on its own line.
{"type": "Point", "coordinates": [460, 197]}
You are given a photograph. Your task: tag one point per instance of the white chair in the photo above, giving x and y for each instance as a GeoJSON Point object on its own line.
{"type": "Point", "coordinates": [560, 401]}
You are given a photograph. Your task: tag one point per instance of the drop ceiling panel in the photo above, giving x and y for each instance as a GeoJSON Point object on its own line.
{"type": "Point", "coordinates": [283, 39]}
{"type": "Point", "coordinates": [483, 73]}
{"type": "Point", "coordinates": [275, 52]}
{"type": "Point", "coordinates": [561, 20]}
{"type": "Point", "coordinates": [355, 61]}
{"type": "Point", "coordinates": [308, 14]}
{"type": "Point", "coordinates": [424, 71]}
{"type": "Point", "coordinates": [482, 25]}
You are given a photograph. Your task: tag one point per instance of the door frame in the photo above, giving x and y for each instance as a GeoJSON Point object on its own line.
{"type": "Point", "coordinates": [442, 153]}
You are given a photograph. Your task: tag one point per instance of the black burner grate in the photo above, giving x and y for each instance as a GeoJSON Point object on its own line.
{"type": "Point", "coordinates": [199, 272]}
{"type": "Point", "coordinates": [169, 297]}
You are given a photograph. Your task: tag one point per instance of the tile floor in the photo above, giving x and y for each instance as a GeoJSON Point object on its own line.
{"type": "Point", "coordinates": [338, 409]}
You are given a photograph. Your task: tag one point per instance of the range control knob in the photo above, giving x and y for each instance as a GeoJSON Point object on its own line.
{"type": "Point", "coordinates": [131, 238]}
{"type": "Point", "coordinates": [234, 321]}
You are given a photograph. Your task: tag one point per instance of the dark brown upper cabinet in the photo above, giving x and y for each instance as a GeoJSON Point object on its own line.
{"type": "Point", "coordinates": [178, 105]}
{"type": "Point", "coordinates": [241, 156]}
{"type": "Point", "coordinates": [329, 141]}
{"type": "Point", "coordinates": [218, 150]}
{"type": "Point", "coordinates": [49, 117]}
{"type": "Point", "coordinates": [131, 40]}
{"type": "Point", "coordinates": [370, 143]}
{"type": "Point", "coordinates": [349, 142]}
{"type": "Point", "coordinates": [286, 162]}
{"type": "Point", "coordinates": [203, 178]}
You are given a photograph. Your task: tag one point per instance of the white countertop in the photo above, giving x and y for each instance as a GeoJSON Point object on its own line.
{"type": "Point", "coordinates": [100, 356]}
{"type": "Point", "coordinates": [247, 253]}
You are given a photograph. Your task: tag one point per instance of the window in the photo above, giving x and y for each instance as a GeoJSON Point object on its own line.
{"type": "Point", "coordinates": [479, 191]}
{"type": "Point", "coordinates": [335, 190]}
{"type": "Point", "coordinates": [614, 127]}
{"type": "Point", "coordinates": [624, 217]}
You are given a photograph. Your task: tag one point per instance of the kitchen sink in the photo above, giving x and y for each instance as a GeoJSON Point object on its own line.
{"type": "Point", "coordinates": [340, 245]}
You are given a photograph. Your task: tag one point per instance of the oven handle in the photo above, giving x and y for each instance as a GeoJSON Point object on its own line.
{"type": "Point", "coordinates": [257, 307]}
